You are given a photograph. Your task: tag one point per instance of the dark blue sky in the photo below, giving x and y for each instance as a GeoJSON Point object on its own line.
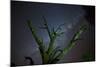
{"type": "Point", "coordinates": [22, 42]}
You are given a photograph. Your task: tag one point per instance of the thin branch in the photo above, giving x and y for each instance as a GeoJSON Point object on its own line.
{"type": "Point", "coordinates": [46, 27]}
{"type": "Point", "coordinates": [39, 42]}
{"type": "Point", "coordinates": [51, 44]}
{"type": "Point", "coordinates": [59, 27]}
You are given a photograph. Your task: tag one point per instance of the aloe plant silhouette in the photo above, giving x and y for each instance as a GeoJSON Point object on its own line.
{"type": "Point", "coordinates": [53, 54]}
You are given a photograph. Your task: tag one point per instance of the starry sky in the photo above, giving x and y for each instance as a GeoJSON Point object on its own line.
{"type": "Point", "coordinates": [22, 42]}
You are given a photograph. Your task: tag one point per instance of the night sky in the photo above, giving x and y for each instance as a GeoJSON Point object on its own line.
{"type": "Point", "coordinates": [22, 42]}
